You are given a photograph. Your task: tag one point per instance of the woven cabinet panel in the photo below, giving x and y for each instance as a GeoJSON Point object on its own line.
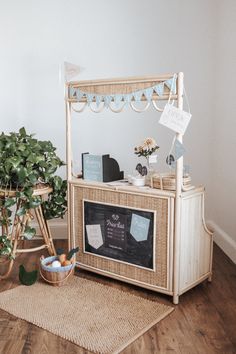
{"type": "Point", "coordinates": [122, 199]}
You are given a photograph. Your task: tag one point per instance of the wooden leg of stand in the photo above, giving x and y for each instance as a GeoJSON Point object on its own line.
{"type": "Point", "coordinates": [48, 233]}
{"type": "Point", "coordinates": [44, 230]}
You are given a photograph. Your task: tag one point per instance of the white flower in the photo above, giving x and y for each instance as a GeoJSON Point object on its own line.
{"type": "Point", "coordinates": [150, 143]}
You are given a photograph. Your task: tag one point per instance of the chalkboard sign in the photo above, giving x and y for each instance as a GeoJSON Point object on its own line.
{"type": "Point", "coordinates": [121, 233]}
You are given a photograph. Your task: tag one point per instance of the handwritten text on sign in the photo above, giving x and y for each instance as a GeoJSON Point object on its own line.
{"type": "Point", "coordinates": [175, 119]}
{"type": "Point", "coordinates": [115, 235]}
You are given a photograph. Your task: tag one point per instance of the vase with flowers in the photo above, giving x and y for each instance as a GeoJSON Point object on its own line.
{"type": "Point", "coordinates": [146, 149]}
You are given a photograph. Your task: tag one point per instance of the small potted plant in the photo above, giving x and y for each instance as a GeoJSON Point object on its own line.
{"type": "Point", "coordinates": [26, 163]}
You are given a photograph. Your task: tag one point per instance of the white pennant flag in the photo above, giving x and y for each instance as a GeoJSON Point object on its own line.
{"type": "Point", "coordinates": [71, 70]}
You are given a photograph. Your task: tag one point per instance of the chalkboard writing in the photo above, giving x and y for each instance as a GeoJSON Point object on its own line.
{"type": "Point", "coordinates": [115, 231]}
{"type": "Point", "coordinates": [127, 234]}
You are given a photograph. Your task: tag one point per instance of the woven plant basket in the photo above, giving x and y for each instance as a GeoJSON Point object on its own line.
{"type": "Point", "coordinates": [167, 181]}
{"type": "Point", "coordinates": [55, 276]}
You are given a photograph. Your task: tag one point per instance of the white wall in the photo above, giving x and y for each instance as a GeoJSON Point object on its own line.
{"type": "Point", "coordinates": [223, 195]}
{"type": "Point", "coordinates": [110, 38]}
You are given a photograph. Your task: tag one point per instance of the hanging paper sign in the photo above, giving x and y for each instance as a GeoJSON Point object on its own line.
{"type": "Point", "coordinates": [139, 227]}
{"type": "Point", "coordinates": [94, 236]}
{"type": "Point", "coordinates": [179, 149]}
{"type": "Point", "coordinates": [175, 119]}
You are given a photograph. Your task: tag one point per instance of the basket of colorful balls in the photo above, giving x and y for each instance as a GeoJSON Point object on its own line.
{"type": "Point", "coordinates": [55, 270]}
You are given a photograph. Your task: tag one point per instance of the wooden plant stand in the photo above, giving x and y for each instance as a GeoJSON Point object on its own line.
{"type": "Point", "coordinates": [19, 224]}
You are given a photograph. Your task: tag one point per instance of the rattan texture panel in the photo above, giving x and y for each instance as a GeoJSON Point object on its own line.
{"type": "Point", "coordinates": [134, 273]}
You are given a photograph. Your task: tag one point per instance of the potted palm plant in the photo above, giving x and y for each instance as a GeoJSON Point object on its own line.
{"type": "Point", "coordinates": [25, 164]}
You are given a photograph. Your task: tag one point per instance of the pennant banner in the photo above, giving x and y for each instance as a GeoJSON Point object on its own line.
{"type": "Point", "coordinates": [77, 94]}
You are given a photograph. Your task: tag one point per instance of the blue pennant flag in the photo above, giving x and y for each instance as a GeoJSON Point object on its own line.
{"type": "Point", "coordinates": [171, 84]}
{"type": "Point", "coordinates": [90, 97]}
{"type": "Point", "coordinates": [72, 92]}
{"type": "Point", "coordinates": [98, 99]}
{"type": "Point", "coordinates": [159, 89]}
{"type": "Point", "coordinates": [107, 100]}
{"type": "Point", "coordinates": [148, 93]}
{"type": "Point", "coordinates": [118, 98]}
{"type": "Point", "coordinates": [137, 95]}
{"type": "Point", "coordinates": [79, 94]}
{"type": "Point", "coordinates": [128, 98]}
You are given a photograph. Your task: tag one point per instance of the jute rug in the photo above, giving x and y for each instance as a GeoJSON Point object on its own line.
{"type": "Point", "coordinates": [97, 317]}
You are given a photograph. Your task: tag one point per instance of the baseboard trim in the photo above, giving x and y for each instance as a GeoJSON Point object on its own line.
{"type": "Point", "coordinates": [223, 240]}
{"type": "Point", "coordinates": [58, 229]}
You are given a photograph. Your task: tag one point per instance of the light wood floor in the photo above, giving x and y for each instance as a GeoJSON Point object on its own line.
{"type": "Point", "coordinates": [204, 322]}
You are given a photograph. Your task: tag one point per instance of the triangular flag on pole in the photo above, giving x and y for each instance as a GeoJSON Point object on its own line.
{"type": "Point", "coordinates": [71, 71]}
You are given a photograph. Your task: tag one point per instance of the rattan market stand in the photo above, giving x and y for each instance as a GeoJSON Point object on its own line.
{"type": "Point", "coordinates": [182, 242]}
{"type": "Point", "coordinates": [19, 224]}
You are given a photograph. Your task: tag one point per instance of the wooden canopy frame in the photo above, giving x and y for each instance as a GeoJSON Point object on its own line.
{"type": "Point", "coordinates": [124, 86]}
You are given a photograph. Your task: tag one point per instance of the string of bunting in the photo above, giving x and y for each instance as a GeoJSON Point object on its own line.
{"type": "Point", "coordinates": [76, 93]}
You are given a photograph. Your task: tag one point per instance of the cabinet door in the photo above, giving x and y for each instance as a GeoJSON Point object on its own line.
{"type": "Point", "coordinates": [152, 213]}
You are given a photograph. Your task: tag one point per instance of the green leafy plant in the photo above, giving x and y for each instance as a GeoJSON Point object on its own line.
{"type": "Point", "coordinates": [5, 246]}
{"type": "Point", "coordinates": [24, 163]}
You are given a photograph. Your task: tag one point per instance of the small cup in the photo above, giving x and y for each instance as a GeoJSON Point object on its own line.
{"type": "Point", "coordinates": [138, 181]}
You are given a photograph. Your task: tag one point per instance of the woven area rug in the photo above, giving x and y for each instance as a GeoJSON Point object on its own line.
{"type": "Point", "coordinates": [94, 316]}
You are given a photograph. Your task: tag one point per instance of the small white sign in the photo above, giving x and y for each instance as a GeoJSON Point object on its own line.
{"type": "Point", "coordinates": [94, 235]}
{"type": "Point", "coordinates": [175, 119]}
{"type": "Point", "coordinates": [152, 158]}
